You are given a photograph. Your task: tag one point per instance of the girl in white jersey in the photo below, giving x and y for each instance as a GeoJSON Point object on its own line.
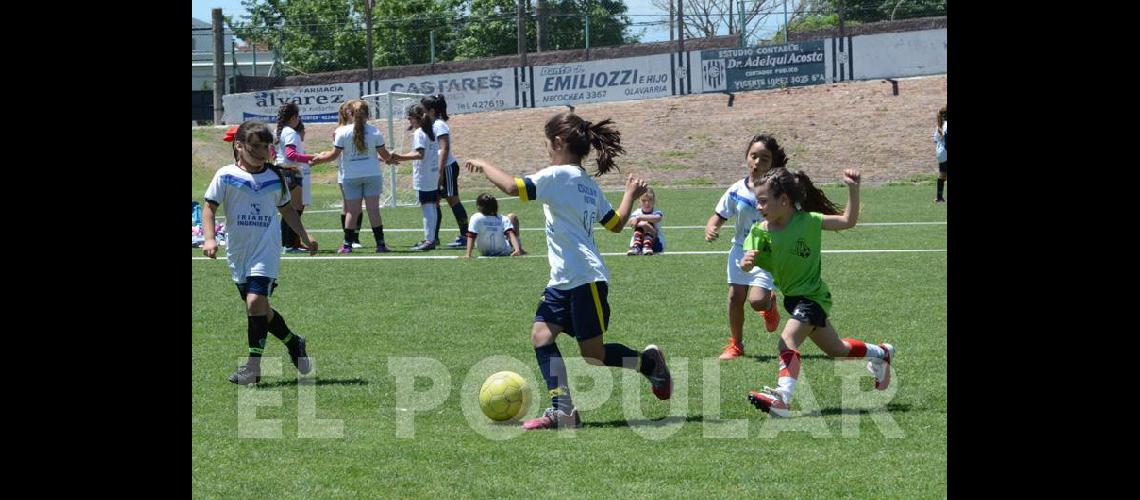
{"type": "Point", "coordinates": [763, 154]}
{"type": "Point", "coordinates": [425, 173]}
{"type": "Point", "coordinates": [362, 177]}
{"type": "Point", "coordinates": [575, 299]}
{"type": "Point", "coordinates": [939, 138]}
{"type": "Point", "coordinates": [496, 235]}
{"type": "Point", "coordinates": [436, 107]}
{"type": "Point", "coordinates": [343, 118]}
{"type": "Point", "coordinates": [251, 190]}
{"type": "Point", "coordinates": [291, 158]}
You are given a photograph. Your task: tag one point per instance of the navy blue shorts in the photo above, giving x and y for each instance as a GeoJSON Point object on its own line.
{"type": "Point", "coordinates": [257, 285]}
{"type": "Point", "coordinates": [582, 311]}
{"type": "Point", "coordinates": [805, 310]}
{"type": "Point", "coordinates": [428, 196]}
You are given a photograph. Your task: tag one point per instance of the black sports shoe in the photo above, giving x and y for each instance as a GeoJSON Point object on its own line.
{"type": "Point", "coordinates": [246, 375]}
{"type": "Point", "coordinates": [299, 357]}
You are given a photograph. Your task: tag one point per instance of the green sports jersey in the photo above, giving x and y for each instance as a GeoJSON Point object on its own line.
{"type": "Point", "coordinates": [792, 255]}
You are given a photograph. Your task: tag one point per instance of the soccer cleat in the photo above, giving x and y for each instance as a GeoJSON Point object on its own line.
{"type": "Point", "coordinates": [769, 401]}
{"type": "Point", "coordinates": [661, 381]}
{"type": "Point", "coordinates": [299, 357]}
{"type": "Point", "coordinates": [772, 315]}
{"type": "Point", "coordinates": [554, 419]}
{"type": "Point", "coordinates": [634, 250]}
{"type": "Point", "coordinates": [881, 368]}
{"type": "Point", "coordinates": [294, 250]}
{"type": "Point", "coordinates": [460, 242]}
{"type": "Point", "coordinates": [246, 375]}
{"type": "Point", "coordinates": [732, 351]}
{"type": "Point", "coordinates": [424, 246]}
{"type": "Point", "coordinates": [382, 248]}
{"type": "Point", "coordinates": [648, 249]}
{"type": "Point", "coordinates": [356, 244]}
{"type": "Point", "coordinates": [344, 249]}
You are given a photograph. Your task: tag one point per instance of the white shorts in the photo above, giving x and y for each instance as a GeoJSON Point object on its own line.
{"type": "Point", "coordinates": [503, 253]}
{"type": "Point", "coordinates": [356, 188]}
{"type": "Point", "coordinates": [736, 276]}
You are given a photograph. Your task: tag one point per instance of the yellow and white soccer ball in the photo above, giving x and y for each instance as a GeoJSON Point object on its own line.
{"type": "Point", "coordinates": [504, 396]}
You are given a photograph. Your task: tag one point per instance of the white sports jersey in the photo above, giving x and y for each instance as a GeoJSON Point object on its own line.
{"type": "Point", "coordinates": [656, 225]}
{"type": "Point", "coordinates": [740, 201]}
{"type": "Point", "coordinates": [572, 203]}
{"type": "Point", "coordinates": [253, 244]}
{"type": "Point", "coordinates": [440, 128]}
{"type": "Point", "coordinates": [290, 136]}
{"type": "Point", "coordinates": [425, 172]}
{"type": "Point", "coordinates": [359, 163]}
{"type": "Point", "coordinates": [490, 233]}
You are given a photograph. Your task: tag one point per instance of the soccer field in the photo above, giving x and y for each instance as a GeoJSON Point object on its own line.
{"type": "Point", "coordinates": [373, 321]}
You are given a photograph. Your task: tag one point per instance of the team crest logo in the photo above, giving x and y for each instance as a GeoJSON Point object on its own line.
{"type": "Point", "coordinates": [256, 208]}
{"type": "Point", "coordinates": [714, 73]}
{"type": "Point", "coordinates": [801, 249]}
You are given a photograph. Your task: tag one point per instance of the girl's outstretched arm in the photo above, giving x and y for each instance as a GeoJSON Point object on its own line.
{"type": "Point", "coordinates": [851, 211]}
{"type": "Point", "coordinates": [499, 178]}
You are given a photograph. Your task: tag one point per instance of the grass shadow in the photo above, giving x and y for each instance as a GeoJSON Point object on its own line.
{"type": "Point", "coordinates": [317, 381]}
{"type": "Point", "coordinates": [762, 358]}
{"type": "Point", "coordinates": [891, 408]}
{"type": "Point", "coordinates": [672, 419]}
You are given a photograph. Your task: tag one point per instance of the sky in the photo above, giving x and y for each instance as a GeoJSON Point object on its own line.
{"type": "Point", "coordinates": [201, 10]}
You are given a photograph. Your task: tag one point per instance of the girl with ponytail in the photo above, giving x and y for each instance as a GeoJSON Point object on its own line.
{"type": "Point", "coordinates": [787, 243]}
{"type": "Point", "coordinates": [575, 299]}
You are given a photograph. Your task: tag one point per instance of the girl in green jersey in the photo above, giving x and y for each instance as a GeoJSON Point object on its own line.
{"type": "Point", "coordinates": [787, 244]}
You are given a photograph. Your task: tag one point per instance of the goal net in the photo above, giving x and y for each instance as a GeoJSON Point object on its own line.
{"type": "Point", "coordinates": [389, 112]}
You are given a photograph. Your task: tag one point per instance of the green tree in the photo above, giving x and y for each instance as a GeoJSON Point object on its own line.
{"type": "Point", "coordinates": [329, 35]}
{"type": "Point", "coordinates": [492, 28]}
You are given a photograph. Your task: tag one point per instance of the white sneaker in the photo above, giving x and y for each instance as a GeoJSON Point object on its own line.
{"type": "Point", "coordinates": [881, 368]}
{"type": "Point", "coordinates": [770, 401]}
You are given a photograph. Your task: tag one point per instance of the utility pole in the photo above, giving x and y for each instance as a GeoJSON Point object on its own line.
{"type": "Point", "coordinates": [368, 24]}
{"type": "Point", "coordinates": [522, 34]}
{"type": "Point", "coordinates": [219, 64]}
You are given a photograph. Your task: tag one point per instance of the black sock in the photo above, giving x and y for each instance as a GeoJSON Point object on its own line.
{"type": "Point", "coordinates": [378, 233]}
{"type": "Point", "coordinates": [553, 370]}
{"type": "Point", "coordinates": [941, 186]}
{"type": "Point", "coordinates": [647, 365]}
{"type": "Point", "coordinates": [620, 356]}
{"type": "Point", "coordinates": [286, 234]}
{"type": "Point", "coordinates": [347, 236]}
{"type": "Point", "coordinates": [280, 330]}
{"type": "Point", "coordinates": [356, 228]}
{"type": "Point", "coordinates": [460, 217]}
{"type": "Point", "coordinates": [438, 219]}
{"type": "Point", "coordinates": [257, 331]}
{"type": "Point", "coordinates": [297, 237]}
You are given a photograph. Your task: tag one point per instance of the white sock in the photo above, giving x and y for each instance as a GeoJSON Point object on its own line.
{"type": "Point", "coordinates": [785, 385]}
{"type": "Point", "coordinates": [874, 351]}
{"type": "Point", "coordinates": [429, 221]}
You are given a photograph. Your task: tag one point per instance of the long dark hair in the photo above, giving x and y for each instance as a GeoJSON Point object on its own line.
{"type": "Point", "coordinates": [580, 134]}
{"type": "Point", "coordinates": [284, 114]}
{"type": "Point", "coordinates": [487, 204]}
{"type": "Point", "coordinates": [800, 190]}
{"type": "Point", "coordinates": [436, 103]}
{"type": "Point", "coordinates": [255, 128]}
{"type": "Point", "coordinates": [418, 112]}
{"type": "Point", "coordinates": [779, 158]}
